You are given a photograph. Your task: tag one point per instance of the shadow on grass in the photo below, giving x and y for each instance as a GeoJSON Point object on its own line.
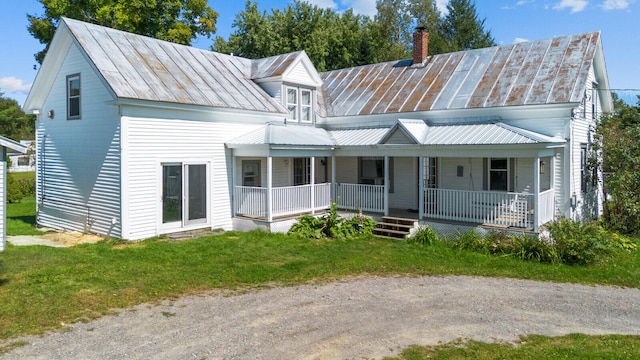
{"type": "Point", "coordinates": [28, 219]}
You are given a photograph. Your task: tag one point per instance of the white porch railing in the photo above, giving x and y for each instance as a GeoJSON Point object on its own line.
{"type": "Point", "coordinates": [546, 206]}
{"type": "Point", "coordinates": [361, 197]}
{"type": "Point", "coordinates": [489, 207]}
{"type": "Point", "coordinates": [285, 201]}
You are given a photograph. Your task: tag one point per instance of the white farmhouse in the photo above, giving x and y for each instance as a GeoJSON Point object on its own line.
{"type": "Point", "coordinates": [138, 137]}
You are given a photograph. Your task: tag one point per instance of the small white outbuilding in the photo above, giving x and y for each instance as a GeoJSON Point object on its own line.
{"type": "Point", "coordinates": [7, 145]}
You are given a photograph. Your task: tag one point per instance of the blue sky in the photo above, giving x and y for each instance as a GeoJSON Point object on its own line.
{"type": "Point", "coordinates": [508, 20]}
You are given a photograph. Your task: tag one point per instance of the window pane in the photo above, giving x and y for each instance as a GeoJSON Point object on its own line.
{"type": "Point", "coordinates": [251, 173]}
{"type": "Point", "coordinates": [306, 114]}
{"type": "Point", "coordinates": [306, 97]}
{"type": "Point", "coordinates": [197, 192]}
{"type": "Point", "coordinates": [499, 164]}
{"type": "Point", "coordinates": [74, 87]}
{"type": "Point", "coordinates": [292, 96]}
{"type": "Point", "coordinates": [74, 107]}
{"type": "Point", "coordinates": [171, 193]}
{"type": "Point", "coordinates": [498, 180]}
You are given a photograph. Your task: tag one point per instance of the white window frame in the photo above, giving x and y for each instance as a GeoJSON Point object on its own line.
{"type": "Point", "coordinates": [184, 223]}
{"type": "Point", "coordinates": [507, 171]}
{"type": "Point", "coordinates": [73, 97]}
{"type": "Point", "coordinates": [296, 107]}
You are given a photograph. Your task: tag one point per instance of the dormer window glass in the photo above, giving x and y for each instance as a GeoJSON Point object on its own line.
{"type": "Point", "coordinates": [299, 102]}
{"type": "Point", "coordinates": [305, 105]}
{"type": "Point", "coordinates": [292, 101]}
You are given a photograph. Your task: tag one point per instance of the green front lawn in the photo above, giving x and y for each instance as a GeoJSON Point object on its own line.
{"type": "Point", "coordinates": [21, 218]}
{"type": "Point", "coordinates": [42, 288]}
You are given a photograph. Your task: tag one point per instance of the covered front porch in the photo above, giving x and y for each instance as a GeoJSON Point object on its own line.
{"type": "Point", "coordinates": [490, 174]}
{"type": "Point", "coordinates": [504, 209]}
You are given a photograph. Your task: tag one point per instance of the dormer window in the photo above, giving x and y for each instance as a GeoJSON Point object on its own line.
{"type": "Point", "coordinates": [299, 102]}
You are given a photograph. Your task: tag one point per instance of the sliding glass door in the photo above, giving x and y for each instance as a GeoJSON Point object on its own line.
{"type": "Point", "coordinates": [184, 193]}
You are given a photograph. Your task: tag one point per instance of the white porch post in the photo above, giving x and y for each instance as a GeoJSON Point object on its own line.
{"type": "Point", "coordinates": [269, 187]}
{"type": "Point", "coordinates": [386, 185]}
{"type": "Point", "coordinates": [333, 179]}
{"type": "Point", "coordinates": [536, 194]}
{"type": "Point", "coordinates": [420, 187]}
{"type": "Point", "coordinates": [233, 183]}
{"type": "Point", "coordinates": [552, 183]}
{"type": "Point", "coordinates": [313, 185]}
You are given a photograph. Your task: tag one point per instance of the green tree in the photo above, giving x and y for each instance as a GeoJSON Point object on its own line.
{"type": "Point", "coordinates": [617, 136]}
{"type": "Point", "coordinates": [392, 30]}
{"type": "Point", "coordinates": [178, 21]}
{"type": "Point", "coordinates": [427, 15]}
{"type": "Point", "coordinates": [331, 40]}
{"type": "Point", "coordinates": [462, 29]}
{"type": "Point", "coordinates": [14, 123]}
{"type": "Point", "coordinates": [335, 41]}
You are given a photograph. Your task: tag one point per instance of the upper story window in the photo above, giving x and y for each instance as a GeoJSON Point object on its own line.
{"type": "Point", "coordinates": [299, 102]}
{"type": "Point", "coordinates": [73, 97]}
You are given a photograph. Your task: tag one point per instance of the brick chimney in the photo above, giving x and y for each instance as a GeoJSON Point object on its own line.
{"type": "Point", "coordinates": [420, 46]}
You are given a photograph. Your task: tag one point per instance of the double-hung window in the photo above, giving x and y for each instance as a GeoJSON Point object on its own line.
{"type": "Point", "coordinates": [73, 97]}
{"type": "Point", "coordinates": [499, 174]}
{"type": "Point", "coordinates": [299, 102]}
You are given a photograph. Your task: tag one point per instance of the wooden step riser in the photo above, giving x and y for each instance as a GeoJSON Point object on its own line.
{"type": "Point", "coordinates": [383, 233]}
{"type": "Point", "coordinates": [394, 226]}
{"type": "Point", "coordinates": [401, 221]}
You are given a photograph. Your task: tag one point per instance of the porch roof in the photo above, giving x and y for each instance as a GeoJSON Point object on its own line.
{"type": "Point", "coordinates": [286, 135]}
{"type": "Point", "coordinates": [483, 134]}
{"type": "Point", "coordinates": [418, 132]}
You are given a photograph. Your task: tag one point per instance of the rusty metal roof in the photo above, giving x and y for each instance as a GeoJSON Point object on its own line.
{"type": "Point", "coordinates": [550, 71]}
{"type": "Point", "coordinates": [273, 66]}
{"type": "Point", "coordinates": [143, 68]}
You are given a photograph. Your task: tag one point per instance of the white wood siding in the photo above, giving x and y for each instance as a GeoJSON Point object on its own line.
{"type": "Point", "coordinates": [80, 159]}
{"type": "Point", "coordinates": [273, 88]}
{"type": "Point", "coordinates": [299, 75]}
{"type": "Point", "coordinates": [399, 137]}
{"type": "Point", "coordinates": [583, 127]}
{"type": "Point", "coordinates": [347, 170]}
{"type": "Point", "coordinates": [471, 178]}
{"type": "Point", "coordinates": [152, 141]}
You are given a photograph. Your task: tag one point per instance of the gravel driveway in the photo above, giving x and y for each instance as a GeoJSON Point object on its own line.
{"type": "Point", "coordinates": [358, 318]}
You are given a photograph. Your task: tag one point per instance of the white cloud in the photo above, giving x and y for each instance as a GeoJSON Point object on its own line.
{"type": "Point", "coordinates": [574, 5]}
{"type": "Point", "coordinates": [325, 4]}
{"type": "Point", "coordinates": [519, 40]}
{"type": "Point", "coordinates": [616, 4]}
{"type": "Point", "coordinates": [442, 6]}
{"type": "Point", "coordinates": [11, 84]}
{"type": "Point", "coordinates": [362, 7]}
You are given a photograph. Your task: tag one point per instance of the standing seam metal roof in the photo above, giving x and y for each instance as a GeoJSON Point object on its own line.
{"type": "Point", "coordinates": [143, 68]}
{"type": "Point", "coordinates": [425, 134]}
{"type": "Point", "coordinates": [550, 71]}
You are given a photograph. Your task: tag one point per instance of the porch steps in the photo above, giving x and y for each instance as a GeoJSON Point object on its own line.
{"type": "Point", "coordinates": [394, 227]}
